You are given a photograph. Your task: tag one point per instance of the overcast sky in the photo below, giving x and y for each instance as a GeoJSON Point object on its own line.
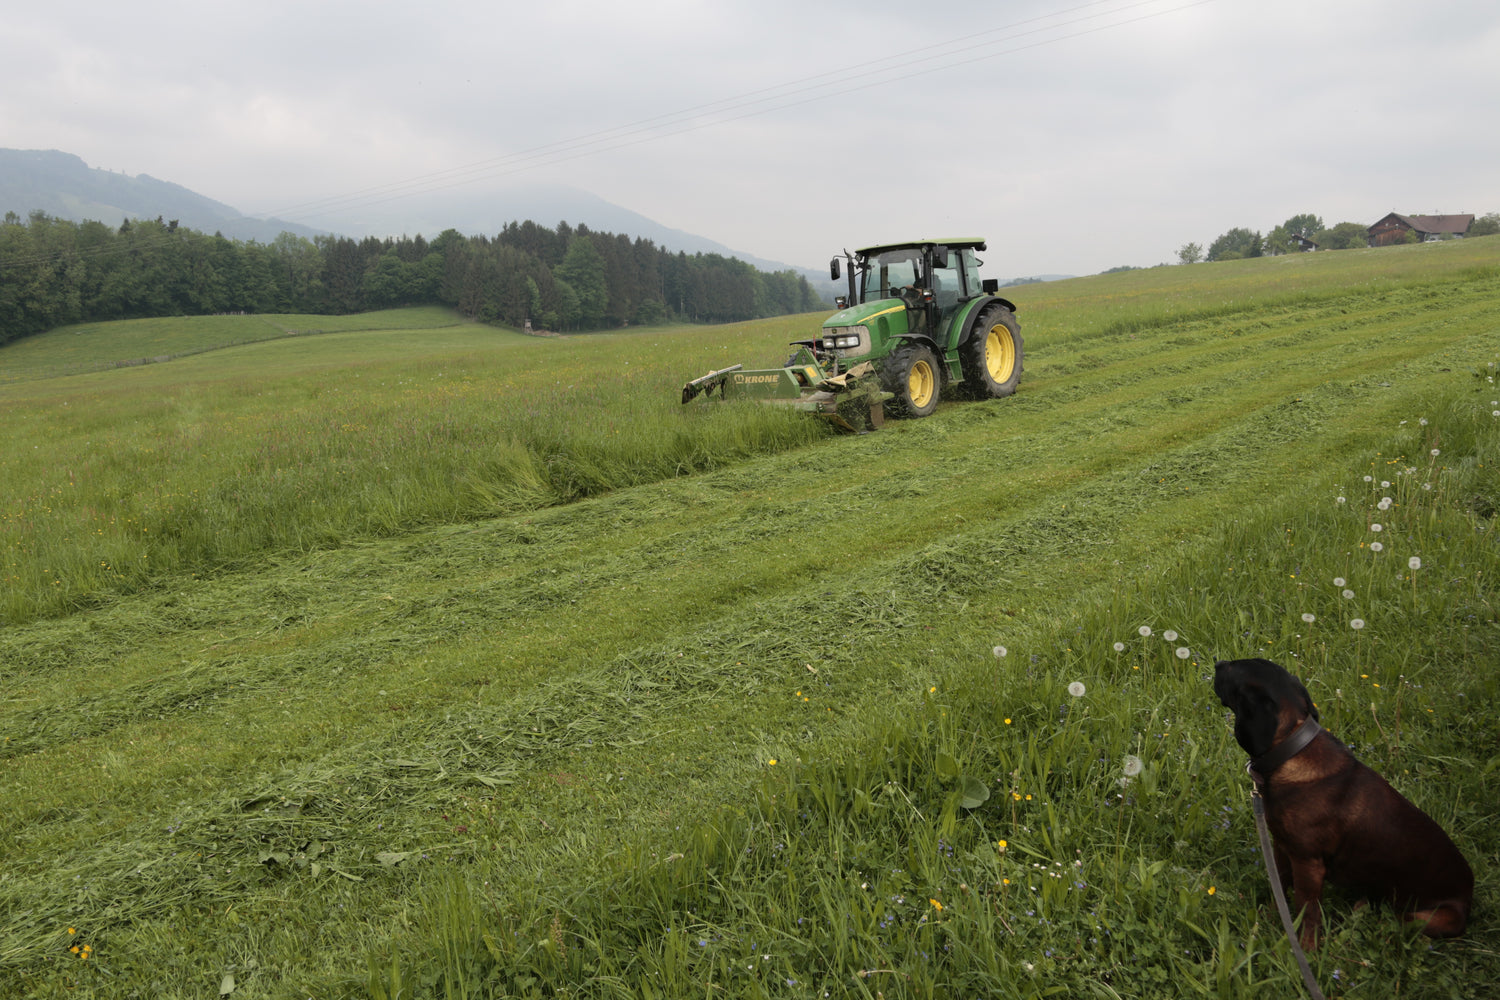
{"type": "Point", "coordinates": [1074, 136]}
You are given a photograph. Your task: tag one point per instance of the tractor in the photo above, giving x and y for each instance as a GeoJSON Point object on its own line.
{"type": "Point", "coordinates": [916, 319]}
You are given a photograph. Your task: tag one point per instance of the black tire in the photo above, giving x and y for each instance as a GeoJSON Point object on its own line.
{"type": "Point", "coordinates": [913, 375]}
{"type": "Point", "coordinates": [992, 356]}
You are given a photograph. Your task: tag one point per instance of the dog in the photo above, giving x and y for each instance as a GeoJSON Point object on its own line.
{"type": "Point", "coordinates": [1332, 818]}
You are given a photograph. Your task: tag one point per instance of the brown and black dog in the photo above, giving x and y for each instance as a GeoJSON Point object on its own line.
{"type": "Point", "coordinates": [1333, 818]}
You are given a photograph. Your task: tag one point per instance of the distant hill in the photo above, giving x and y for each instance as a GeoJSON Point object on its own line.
{"type": "Point", "coordinates": [65, 187]}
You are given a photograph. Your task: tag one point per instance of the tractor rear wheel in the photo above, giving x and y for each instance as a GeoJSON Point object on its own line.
{"type": "Point", "coordinates": [912, 374]}
{"type": "Point", "coordinates": [991, 358]}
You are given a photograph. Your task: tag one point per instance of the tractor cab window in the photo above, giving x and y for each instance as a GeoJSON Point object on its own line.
{"type": "Point", "coordinates": [887, 272]}
{"type": "Point", "coordinates": [947, 285]}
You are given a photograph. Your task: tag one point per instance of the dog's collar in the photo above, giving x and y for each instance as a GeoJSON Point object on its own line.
{"type": "Point", "coordinates": [1265, 765]}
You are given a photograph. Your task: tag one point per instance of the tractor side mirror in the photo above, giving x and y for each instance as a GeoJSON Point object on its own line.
{"type": "Point", "coordinates": [833, 269]}
{"type": "Point", "coordinates": [990, 286]}
{"type": "Point", "coordinates": [939, 256]}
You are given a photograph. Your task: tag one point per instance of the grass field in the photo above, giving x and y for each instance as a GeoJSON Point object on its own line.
{"type": "Point", "coordinates": [458, 663]}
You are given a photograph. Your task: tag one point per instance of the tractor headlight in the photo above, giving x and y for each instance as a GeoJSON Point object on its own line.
{"type": "Point", "coordinates": [846, 340]}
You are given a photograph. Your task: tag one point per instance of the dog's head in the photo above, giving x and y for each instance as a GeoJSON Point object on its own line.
{"type": "Point", "coordinates": [1265, 699]}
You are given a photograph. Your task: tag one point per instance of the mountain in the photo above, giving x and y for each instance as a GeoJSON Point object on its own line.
{"type": "Point", "coordinates": [65, 187]}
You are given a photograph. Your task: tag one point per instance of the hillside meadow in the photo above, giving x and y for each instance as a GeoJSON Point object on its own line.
{"type": "Point", "coordinates": [419, 658]}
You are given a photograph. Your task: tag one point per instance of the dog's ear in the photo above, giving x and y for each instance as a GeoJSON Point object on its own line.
{"type": "Point", "coordinates": [1255, 718]}
{"type": "Point", "coordinates": [1307, 702]}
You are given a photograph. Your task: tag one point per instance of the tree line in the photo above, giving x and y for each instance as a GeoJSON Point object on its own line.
{"type": "Point", "coordinates": [1288, 237]}
{"type": "Point", "coordinates": [54, 272]}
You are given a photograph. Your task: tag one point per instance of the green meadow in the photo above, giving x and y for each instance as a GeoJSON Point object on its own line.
{"type": "Point", "coordinates": [396, 656]}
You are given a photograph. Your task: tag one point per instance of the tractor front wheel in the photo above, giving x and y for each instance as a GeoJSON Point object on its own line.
{"type": "Point", "coordinates": [991, 358]}
{"type": "Point", "coordinates": [912, 374]}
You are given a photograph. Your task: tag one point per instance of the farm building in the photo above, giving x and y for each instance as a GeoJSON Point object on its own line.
{"type": "Point", "coordinates": [1393, 228]}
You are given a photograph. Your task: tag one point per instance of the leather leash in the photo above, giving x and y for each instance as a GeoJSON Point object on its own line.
{"type": "Point", "coordinates": [1270, 761]}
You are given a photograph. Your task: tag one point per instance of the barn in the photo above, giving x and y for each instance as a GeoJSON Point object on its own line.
{"type": "Point", "coordinates": [1394, 227]}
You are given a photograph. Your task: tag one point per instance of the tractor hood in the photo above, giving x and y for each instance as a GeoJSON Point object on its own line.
{"type": "Point", "coordinates": [866, 313]}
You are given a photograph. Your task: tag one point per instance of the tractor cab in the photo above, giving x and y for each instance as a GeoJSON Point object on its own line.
{"type": "Point", "coordinates": [930, 278]}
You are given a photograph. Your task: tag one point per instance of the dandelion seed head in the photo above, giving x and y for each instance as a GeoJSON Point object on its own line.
{"type": "Point", "coordinates": [1357, 624]}
{"type": "Point", "coordinates": [1342, 500]}
{"type": "Point", "coordinates": [1119, 647]}
{"type": "Point", "coordinates": [1144, 630]}
{"type": "Point", "coordinates": [1169, 635]}
{"type": "Point", "coordinates": [1076, 689]}
{"type": "Point", "coordinates": [1183, 652]}
{"type": "Point", "coordinates": [1309, 617]}
{"type": "Point", "coordinates": [1377, 527]}
{"type": "Point", "coordinates": [1385, 484]}
{"type": "Point", "coordinates": [1435, 453]}
{"type": "Point", "coordinates": [1369, 479]}
{"type": "Point", "coordinates": [1376, 547]}
{"type": "Point", "coordinates": [1415, 562]}
{"type": "Point", "coordinates": [1132, 765]}
{"type": "Point", "coordinates": [1348, 595]}
{"type": "Point", "coordinates": [1338, 581]}
{"type": "Point", "coordinates": [999, 651]}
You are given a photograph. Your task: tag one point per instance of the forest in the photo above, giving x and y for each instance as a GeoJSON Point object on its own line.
{"type": "Point", "coordinates": [54, 272]}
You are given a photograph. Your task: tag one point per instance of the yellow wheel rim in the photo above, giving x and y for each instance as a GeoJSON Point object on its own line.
{"type": "Point", "coordinates": [1000, 353]}
{"type": "Point", "coordinates": [921, 384]}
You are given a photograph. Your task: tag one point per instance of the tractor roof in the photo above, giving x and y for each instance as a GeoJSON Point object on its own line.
{"type": "Point", "coordinates": [967, 241]}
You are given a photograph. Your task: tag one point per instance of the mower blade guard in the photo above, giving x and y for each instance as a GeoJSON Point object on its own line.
{"type": "Point", "coordinates": [708, 383]}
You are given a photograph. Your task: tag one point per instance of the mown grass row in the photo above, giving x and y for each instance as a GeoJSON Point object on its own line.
{"type": "Point", "coordinates": [1062, 813]}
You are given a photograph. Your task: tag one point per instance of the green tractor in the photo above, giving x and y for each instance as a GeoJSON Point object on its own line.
{"type": "Point", "coordinates": [917, 319]}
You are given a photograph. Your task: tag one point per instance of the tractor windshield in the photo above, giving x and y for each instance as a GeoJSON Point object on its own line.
{"type": "Point", "coordinates": [889, 270]}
